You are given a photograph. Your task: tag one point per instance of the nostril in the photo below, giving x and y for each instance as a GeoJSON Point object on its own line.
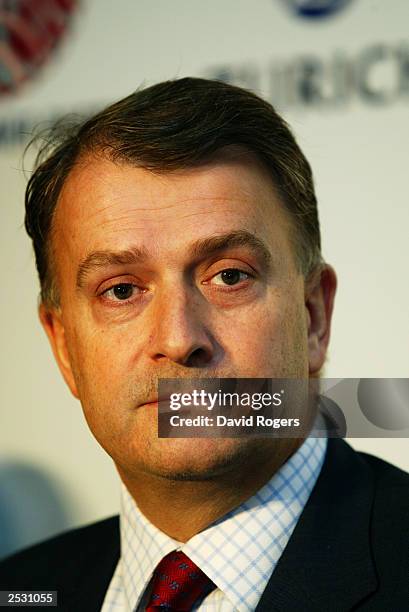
{"type": "Point", "coordinates": [199, 357]}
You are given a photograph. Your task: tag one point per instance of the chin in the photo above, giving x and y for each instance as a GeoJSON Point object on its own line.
{"type": "Point", "coordinates": [195, 459]}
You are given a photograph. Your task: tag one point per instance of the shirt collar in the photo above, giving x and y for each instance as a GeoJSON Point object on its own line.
{"type": "Point", "coordinates": [239, 551]}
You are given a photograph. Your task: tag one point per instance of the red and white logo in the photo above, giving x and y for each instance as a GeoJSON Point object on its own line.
{"type": "Point", "coordinates": [29, 32]}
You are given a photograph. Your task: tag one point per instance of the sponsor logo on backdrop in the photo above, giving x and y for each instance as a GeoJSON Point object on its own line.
{"type": "Point", "coordinates": [30, 30]}
{"type": "Point", "coordinates": [316, 8]}
{"type": "Point", "coordinates": [377, 76]}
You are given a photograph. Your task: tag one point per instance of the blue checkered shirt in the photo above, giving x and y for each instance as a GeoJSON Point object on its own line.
{"type": "Point", "coordinates": [238, 552]}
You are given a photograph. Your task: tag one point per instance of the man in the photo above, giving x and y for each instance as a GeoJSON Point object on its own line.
{"type": "Point", "coordinates": [176, 236]}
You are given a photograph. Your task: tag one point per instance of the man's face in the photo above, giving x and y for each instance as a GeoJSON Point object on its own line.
{"type": "Point", "coordinates": [144, 296]}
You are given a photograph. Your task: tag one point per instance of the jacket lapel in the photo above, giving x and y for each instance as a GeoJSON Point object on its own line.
{"type": "Point", "coordinates": [327, 564]}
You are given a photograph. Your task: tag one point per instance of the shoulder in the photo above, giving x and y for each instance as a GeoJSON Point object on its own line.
{"type": "Point", "coordinates": [389, 531]}
{"type": "Point", "coordinates": [350, 464]}
{"type": "Point", "coordinates": [391, 500]}
{"type": "Point", "coordinates": [386, 473]}
{"type": "Point", "coordinates": [391, 484]}
{"type": "Point", "coordinates": [381, 491]}
{"type": "Point", "coordinates": [361, 484]}
{"type": "Point", "coordinates": [64, 556]}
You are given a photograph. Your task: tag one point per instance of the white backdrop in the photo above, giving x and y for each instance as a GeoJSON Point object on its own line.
{"type": "Point", "coordinates": [52, 473]}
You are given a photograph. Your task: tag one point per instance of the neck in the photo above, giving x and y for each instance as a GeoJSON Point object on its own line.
{"type": "Point", "coordinates": [164, 500]}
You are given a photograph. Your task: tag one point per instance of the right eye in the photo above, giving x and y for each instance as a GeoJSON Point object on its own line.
{"type": "Point", "coordinates": [121, 292]}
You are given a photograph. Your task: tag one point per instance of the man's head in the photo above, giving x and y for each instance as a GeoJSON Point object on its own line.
{"type": "Point", "coordinates": [176, 235]}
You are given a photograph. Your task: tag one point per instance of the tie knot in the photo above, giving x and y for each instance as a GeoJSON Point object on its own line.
{"type": "Point", "coordinates": [177, 584]}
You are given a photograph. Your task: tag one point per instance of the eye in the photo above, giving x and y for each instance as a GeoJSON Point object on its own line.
{"type": "Point", "coordinates": [230, 276]}
{"type": "Point", "coordinates": [120, 292]}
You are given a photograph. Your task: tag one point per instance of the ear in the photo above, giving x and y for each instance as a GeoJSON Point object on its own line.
{"type": "Point", "coordinates": [319, 302]}
{"type": "Point", "coordinates": [51, 321]}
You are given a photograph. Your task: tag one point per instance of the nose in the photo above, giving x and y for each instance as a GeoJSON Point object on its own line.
{"type": "Point", "coordinates": [180, 333]}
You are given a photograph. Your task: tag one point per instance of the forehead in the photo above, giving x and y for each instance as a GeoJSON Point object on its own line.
{"type": "Point", "coordinates": [115, 205]}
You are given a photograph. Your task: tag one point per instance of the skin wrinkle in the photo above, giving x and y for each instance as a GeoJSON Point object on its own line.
{"type": "Point", "coordinates": [87, 164]}
{"type": "Point", "coordinates": [200, 250]}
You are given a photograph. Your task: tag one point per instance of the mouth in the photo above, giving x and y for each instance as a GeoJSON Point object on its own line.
{"type": "Point", "coordinates": [156, 401]}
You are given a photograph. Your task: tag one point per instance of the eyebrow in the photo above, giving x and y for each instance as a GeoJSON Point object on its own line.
{"type": "Point", "coordinates": [205, 247]}
{"type": "Point", "coordinates": [103, 259]}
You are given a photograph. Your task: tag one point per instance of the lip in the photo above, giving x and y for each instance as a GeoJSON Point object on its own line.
{"type": "Point", "coordinates": [156, 402]}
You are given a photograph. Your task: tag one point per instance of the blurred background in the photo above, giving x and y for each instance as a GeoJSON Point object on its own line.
{"type": "Point", "coordinates": [338, 70]}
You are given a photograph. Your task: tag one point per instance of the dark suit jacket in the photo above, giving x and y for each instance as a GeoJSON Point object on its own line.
{"type": "Point", "coordinates": [349, 550]}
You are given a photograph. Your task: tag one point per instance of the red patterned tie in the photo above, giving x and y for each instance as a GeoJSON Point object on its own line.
{"type": "Point", "coordinates": [177, 584]}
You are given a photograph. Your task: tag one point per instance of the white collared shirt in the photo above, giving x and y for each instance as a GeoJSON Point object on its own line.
{"type": "Point", "coordinates": [238, 552]}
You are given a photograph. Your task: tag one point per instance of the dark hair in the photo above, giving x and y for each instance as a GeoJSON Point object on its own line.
{"type": "Point", "coordinates": [174, 125]}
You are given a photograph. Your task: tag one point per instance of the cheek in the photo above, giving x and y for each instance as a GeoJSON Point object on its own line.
{"type": "Point", "coordinates": [269, 341]}
{"type": "Point", "coordinates": [100, 375]}
{"type": "Point", "coordinates": [98, 361]}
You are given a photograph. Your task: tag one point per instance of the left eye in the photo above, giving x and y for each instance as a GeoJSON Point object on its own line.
{"type": "Point", "coordinates": [231, 276]}
{"type": "Point", "coordinates": [122, 291]}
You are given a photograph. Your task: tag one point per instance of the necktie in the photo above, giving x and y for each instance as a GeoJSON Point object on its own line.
{"type": "Point", "coordinates": [177, 584]}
